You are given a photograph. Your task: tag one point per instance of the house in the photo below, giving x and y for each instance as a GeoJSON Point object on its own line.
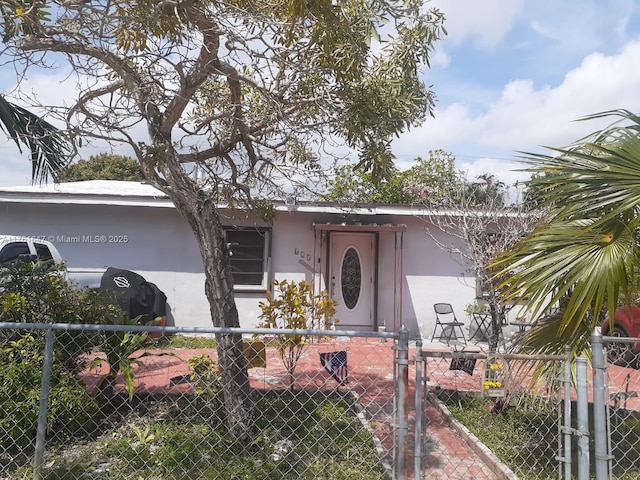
{"type": "Point", "coordinates": [376, 261]}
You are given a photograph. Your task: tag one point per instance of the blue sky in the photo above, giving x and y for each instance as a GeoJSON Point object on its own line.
{"type": "Point", "coordinates": [511, 75]}
{"type": "Point", "coordinates": [514, 75]}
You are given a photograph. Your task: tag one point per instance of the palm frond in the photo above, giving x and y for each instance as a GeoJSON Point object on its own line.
{"type": "Point", "coordinates": [585, 254]}
{"type": "Point", "coordinates": [49, 148]}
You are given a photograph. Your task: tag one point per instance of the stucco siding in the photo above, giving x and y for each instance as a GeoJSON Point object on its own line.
{"type": "Point", "coordinates": [157, 243]}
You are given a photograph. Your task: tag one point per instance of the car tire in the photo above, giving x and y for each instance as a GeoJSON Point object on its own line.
{"type": "Point", "coordinates": [619, 353]}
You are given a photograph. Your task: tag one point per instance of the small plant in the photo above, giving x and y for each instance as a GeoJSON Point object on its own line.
{"type": "Point", "coordinates": [204, 375]}
{"type": "Point", "coordinates": [118, 346]}
{"type": "Point", "coordinates": [476, 307]}
{"type": "Point", "coordinates": [295, 306]}
{"type": "Point", "coordinates": [145, 435]}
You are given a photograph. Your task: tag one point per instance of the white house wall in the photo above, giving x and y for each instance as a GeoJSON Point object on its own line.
{"type": "Point", "coordinates": [431, 276]}
{"type": "Point", "coordinates": [154, 242]}
{"type": "Point", "coordinates": [159, 245]}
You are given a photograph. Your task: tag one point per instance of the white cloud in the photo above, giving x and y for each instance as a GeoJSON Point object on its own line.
{"type": "Point", "coordinates": [485, 22]}
{"type": "Point", "coordinates": [526, 116]}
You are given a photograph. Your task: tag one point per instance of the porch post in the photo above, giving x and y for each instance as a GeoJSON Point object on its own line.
{"type": "Point", "coordinates": [398, 280]}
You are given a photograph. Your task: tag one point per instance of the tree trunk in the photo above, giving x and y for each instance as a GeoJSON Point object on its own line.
{"type": "Point", "coordinates": [204, 219]}
{"type": "Point", "coordinates": [497, 312]}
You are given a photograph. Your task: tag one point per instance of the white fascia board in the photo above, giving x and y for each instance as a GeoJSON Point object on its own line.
{"type": "Point", "coordinates": [57, 198]}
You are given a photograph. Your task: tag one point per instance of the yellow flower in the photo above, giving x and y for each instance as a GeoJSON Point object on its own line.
{"type": "Point", "coordinates": [488, 384]}
{"type": "Point", "coordinates": [19, 12]}
{"type": "Point", "coordinates": [495, 366]}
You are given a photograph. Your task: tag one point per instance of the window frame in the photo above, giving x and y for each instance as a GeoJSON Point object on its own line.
{"type": "Point", "coordinates": [265, 233]}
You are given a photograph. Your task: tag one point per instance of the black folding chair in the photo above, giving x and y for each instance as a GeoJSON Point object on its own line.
{"type": "Point", "coordinates": [447, 322]}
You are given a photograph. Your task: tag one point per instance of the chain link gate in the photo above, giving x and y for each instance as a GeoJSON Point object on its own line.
{"type": "Point", "coordinates": [616, 404]}
{"type": "Point", "coordinates": [64, 415]}
{"type": "Point", "coordinates": [461, 430]}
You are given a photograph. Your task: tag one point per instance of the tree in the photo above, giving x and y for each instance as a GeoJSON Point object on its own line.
{"type": "Point", "coordinates": [423, 182]}
{"type": "Point", "coordinates": [584, 257]}
{"type": "Point", "coordinates": [486, 190]}
{"type": "Point", "coordinates": [48, 147]}
{"type": "Point", "coordinates": [245, 91]}
{"type": "Point", "coordinates": [104, 166]}
{"type": "Point", "coordinates": [351, 185]}
{"type": "Point", "coordinates": [484, 227]}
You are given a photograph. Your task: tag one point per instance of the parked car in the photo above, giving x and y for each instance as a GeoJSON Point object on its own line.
{"type": "Point", "coordinates": [18, 248]}
{"type": "Point", "coordinates": [626, 323]}
{"type": "Point", "coordinates": [139, 298]}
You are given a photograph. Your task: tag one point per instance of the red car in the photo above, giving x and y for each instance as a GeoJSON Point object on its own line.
{"type": "Point", "coordinates": [624, 325]}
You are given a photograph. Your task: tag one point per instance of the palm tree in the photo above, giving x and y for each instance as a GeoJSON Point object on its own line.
{"type": "Point", "coordinates": [49, 149]}
{"type": "Point", "coordinates": [584, 256]}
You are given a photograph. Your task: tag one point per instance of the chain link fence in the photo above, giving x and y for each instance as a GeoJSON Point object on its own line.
{"type": "Point", "coordinates": [80, 401]}
{"type": "Point", "coordinates": [111, 402]}
{"type": "Point", "coordinates": [494, 405]}
{"type": "Point", "coordinates": [621, 403]}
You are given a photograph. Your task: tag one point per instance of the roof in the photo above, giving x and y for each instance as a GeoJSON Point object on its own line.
{"type": "Point", "coordinates": [116, 192]}
{"type": "Point", "coordinates": [89, 192]}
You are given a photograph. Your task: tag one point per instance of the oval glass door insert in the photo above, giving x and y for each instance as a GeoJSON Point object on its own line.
{"type": "Point", "coordinates": [351, 275]}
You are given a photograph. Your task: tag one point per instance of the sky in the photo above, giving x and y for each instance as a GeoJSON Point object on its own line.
{"type": "Point", "coordinates": [514, 76]}
{"type": "Point", "coordinates": [511, 76]}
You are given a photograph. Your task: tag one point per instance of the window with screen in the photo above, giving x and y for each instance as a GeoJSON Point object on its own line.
{"type": "Point", "coordinates": [248, 257]}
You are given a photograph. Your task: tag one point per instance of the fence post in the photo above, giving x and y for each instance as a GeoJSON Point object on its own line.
{"type": "Point", "coordinates": [417, 458]}
{"type": "Point", "coordinates": [44, 404]}
{"type": "Point", "coordinates": [566, 458]}
{"type": "Point", "coordinates": [403, 390]}
{"type": "Point", "coordinates": [599, 406]}
{"type": "Point", "coordinates": [583, 419]}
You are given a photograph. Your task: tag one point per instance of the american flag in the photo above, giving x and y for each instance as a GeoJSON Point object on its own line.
{"type": "Point", "coordinates": [336, 364]}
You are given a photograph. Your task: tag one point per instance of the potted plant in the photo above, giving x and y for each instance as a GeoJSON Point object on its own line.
{"type": "Point", "coordinates": [476, 308]}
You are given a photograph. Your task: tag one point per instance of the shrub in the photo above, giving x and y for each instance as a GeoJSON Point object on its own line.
{"type": "Point", "coordinates": [70, 411]}
{"type": "Point", "coordinates": [295, 306]}
{"type": "Point", "coordinates": [37, 292]}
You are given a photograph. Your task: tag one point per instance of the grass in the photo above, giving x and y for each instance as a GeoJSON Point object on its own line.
{"type": "Point", "coordinates": [186, 341]}
{"type": "Point", "coordinates": [299, 436]}
{"type": "Point", "coordinates": [525, 437]}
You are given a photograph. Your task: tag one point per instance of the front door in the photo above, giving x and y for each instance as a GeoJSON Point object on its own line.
{"type": "Point", "coordinates": [351, 277]}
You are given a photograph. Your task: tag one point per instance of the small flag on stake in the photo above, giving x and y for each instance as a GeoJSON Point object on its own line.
{"type": "Point", "coordinates": [336, 364]}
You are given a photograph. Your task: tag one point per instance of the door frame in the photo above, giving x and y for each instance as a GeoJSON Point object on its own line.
{"type": "Point", "coordinates": [322, 233]}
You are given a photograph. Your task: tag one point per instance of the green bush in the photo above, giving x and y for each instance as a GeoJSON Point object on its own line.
{"type": "Point", "coordinates": [38, 293]}
{"type": "Point", "coordinates": [295, 305]}
{"type": "Point", "coordinates": [71, 409]}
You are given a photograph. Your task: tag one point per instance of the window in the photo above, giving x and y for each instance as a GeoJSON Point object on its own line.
{"type": "Point", "coordinates": [351, 278]}
{"type": "Point", "coordinates": [248, 249]}
{"type": "Point", "coordinates": [43, 252]}
{"type": "Point", "coordinates": [13, 251]}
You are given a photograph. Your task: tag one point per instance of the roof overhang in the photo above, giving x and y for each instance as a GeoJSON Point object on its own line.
{"type": "Point", "coordinates": [345, 227]}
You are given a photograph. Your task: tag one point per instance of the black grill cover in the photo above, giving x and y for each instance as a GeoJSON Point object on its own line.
{"type": "Point", "coordinates": [134, 294]}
